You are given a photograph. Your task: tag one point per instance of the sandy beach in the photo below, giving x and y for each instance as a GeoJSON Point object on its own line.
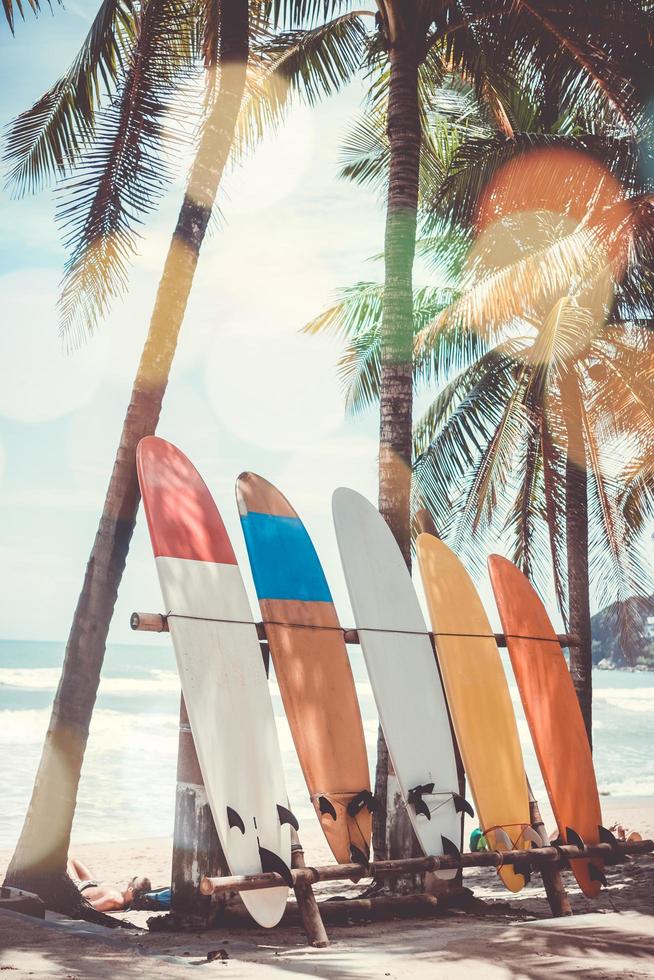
{"type": "Point", "coordinates": [513, 936]}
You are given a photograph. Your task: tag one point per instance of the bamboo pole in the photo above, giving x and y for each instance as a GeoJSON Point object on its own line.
{"type": "Point", "coordinates": [557, 896]}
{"type": "Point", "coordinates": [312, 922]}
{"type": "Point", "coordinates": [158, 623]}
{"type": "Point", "coordinates": [535, 857]}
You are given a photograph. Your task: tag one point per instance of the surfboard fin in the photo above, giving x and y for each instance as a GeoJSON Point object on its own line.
{"type": "Point", "coordinates": [234, 819]}
{"type": "Point", "coordinates": [606, 837]}
{"type": "Point", "coordinates": [326, 806]}
{"type": "Point", "coordinates": [285, 816]}
{"type": "Point", "coordinates": [596, 874]}
{"type": "Point", "coordinates": [415, 795]}
{"type": "Point", "coordinates": [501, 837]}
{"type": "Point", "coordinates": [461, 805]}
{"type": "Point", "coordinates": [364, 798]}
{"type": "Point", "coordinates": [525, 872]}
{"type": "Point", "coordinates": [357, 856]}
{"type": "Point", "coordinates": [572, 837]}
{"type": "Point", "coordinates": [450, 848]}
{"type": "Point", "coordinates": [272, 862]}
{"type": "Point", "coordinates": [533, 836]}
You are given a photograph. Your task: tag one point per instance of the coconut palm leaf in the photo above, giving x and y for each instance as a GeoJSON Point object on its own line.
{"type": "Point", "coordinates": [292, 14]}
{"type": "Point", "coordinates": [478, 160]}
{"type": "Point", "coordinates": [365, 152]}
{"type": "Point", "coordinates": [615, 575]}
{"type": "Point", "coordinates": [320, 61]}
{"type": "Point", "coordinates": [45, 140]}
{"type": "Point", "coordinates": [357, 316]}
{"type": "Point", "coordinates": [526, 517]}
{"type": "Point", "coordinates": [637, 494]}
{"type": "Point", "coordinates": [305, 65]}
{"type": "Point", "coordinates": [531, 283]}
{"type": "Point", "coordinates": [11, 6]}
{"type": "Point", "coordinates": [122, 175]}
{"type": "Point", "coordinates": [554, 448]}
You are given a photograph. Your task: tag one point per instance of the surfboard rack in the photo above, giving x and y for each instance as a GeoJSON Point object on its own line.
{"type": "Point", "coordinates": [534, 858]}
{"type": "Point", "coordinates": [196, 844]}
{"type": "Point", "coordinates": [158, 623]}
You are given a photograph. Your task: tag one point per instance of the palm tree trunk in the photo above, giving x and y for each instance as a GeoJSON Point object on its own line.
{"type": "Point", "coordinates": [576, 477]}
{"type": "Point", "coordinates": [39, 861]}
{"type": "Point", "coordinates": [392, 833]}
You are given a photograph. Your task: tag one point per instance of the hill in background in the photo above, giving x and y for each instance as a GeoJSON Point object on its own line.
{"type": "Point", "coordinates": [608, 649]}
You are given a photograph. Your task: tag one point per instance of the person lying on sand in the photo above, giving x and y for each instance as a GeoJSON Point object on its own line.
{"type": "Point", "coordinates": [104, 898]}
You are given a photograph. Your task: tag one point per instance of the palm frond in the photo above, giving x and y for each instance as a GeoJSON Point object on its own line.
{"type": "Point", "coordinates": [554, 448]}
{"type": "Point", "coordinates": [308, 64]}
{"type": "Point", "coordinates": [537, 179]}
{"type": "Point", "coordinates": [359, 370]}
{"type": "Point", "coordinates": [531, 283]}
{"type": "Point", "coordinates": [120, 178]}
{"type": "Point", "coordinates": [290, 14]}
{"type": "Point", "coordinates": [615, 575]}
{"type": "Point", "coordinates": [527, 515]}
{"type": "Point", "coordinates": [11, 6]}
{"type": "Point", "coordinates": [44, 141]}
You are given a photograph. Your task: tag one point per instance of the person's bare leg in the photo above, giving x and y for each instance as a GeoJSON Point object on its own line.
{"type": "Point", "coordinates": [82, 871]}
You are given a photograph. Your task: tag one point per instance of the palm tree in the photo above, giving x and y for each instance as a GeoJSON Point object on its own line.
{"type": "Point", "coordinates": [109, 156]}
{"type": "Point", "coordinates": [538, 390]}
{"type": "Point", "coordinates": [39, 860]}
{"type": "Point", "coordinates": [570, 48]}
{"type": "Point", "coordinates": [596, 255]}
{"type": "Point", "coordinates": [531, 431]}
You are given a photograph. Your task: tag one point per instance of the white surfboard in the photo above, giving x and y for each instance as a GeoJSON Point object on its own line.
{"type": "Point", "coordinates": [402, 670]}
{"type": "Point", "coordinates": [221, 670]}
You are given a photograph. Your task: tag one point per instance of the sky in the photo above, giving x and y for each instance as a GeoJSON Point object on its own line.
{"type": "Point", "coordinates": [247, 390]}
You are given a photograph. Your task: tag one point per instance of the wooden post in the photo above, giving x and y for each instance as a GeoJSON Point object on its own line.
{"type": "Point", "coordinates": [306, 900]}
{"type": "Point", "coordinates": [557, 896]}
{"type": "Point", "coordinates": [195, 842]}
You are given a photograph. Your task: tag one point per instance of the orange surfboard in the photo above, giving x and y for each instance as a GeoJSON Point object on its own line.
{"type": "Point", "coordinates": [553, 714]}
{"type": "Point", "coordinates": [479, 701]}
{"type": "Point", "coordinates": [311, 666]}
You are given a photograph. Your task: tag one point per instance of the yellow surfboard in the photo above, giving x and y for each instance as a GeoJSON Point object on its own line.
{"type": "Point", "coordinates": [479, 702]}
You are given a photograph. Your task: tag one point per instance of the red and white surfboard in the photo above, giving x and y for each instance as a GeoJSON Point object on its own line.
{"type": "Point", "coordinates": [221, 670]}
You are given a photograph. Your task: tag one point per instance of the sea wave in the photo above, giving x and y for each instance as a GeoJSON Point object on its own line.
{"type": "Point", "coordinates": [47, 678]}
{"type": "Point", "coordinates": [639, 699]}
{"type": "Point", "coordinates": [108, 727]}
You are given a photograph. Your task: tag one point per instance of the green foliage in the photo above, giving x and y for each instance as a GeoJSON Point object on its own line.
{"type": "Point", "coordinates": [11, 6]}
{"type": "Point", "coordinates": [110, 131]}
{"type": "Point", "coordinates": [45, 140]}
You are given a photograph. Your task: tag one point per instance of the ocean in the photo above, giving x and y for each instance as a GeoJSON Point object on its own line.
{"type": "Point", "coordinates": [127, 788]}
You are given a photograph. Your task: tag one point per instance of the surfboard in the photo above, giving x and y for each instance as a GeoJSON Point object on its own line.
{"type": "Point", "coordinates": [479, 701]}
{"type": "Point", "coordinates": [553, 714]}
{"type": "Point", "coordinates": [221, 671]}
{"type": "Point", "coordinates": [311, 666]}
{"type": "Point", "coordinates": [403, 672]}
